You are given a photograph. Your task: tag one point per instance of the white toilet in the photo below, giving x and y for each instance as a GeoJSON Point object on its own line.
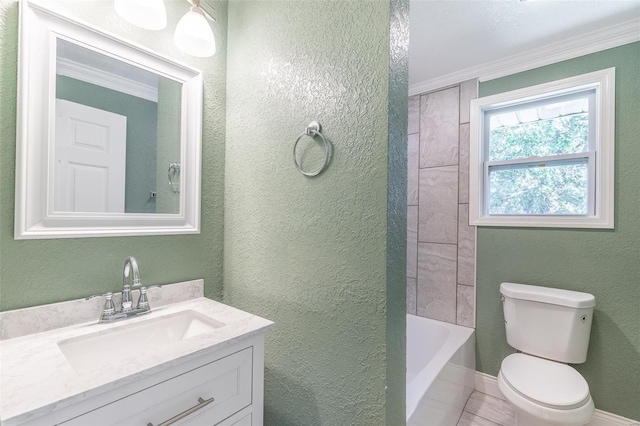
{"type": "Point", "coordinates": [550, 327]}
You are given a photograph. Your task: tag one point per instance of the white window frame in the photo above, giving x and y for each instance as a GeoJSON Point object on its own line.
{"type": "Point", "coordinates": [600, 156]}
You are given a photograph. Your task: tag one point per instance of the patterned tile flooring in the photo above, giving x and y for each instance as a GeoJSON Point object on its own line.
{"type": "Point", "coordinates": [486, 410]}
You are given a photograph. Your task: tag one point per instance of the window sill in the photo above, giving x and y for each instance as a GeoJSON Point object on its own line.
{"type": "Point", "coordinates": [594, 222]}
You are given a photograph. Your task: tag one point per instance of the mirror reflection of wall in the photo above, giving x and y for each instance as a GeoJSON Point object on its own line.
{"type": "Point", "coordinates": [117, 131]}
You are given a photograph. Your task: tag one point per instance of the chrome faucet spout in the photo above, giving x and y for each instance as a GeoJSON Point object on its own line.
{"type": "Point", "coordinates": [131, 268]}
{"type": "Point", "coordinates": [130, 279]}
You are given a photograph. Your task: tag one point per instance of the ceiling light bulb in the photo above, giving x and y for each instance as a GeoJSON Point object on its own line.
{"type": "Point", "coordinates": [194, 35]}
{"type": "Point", "coordinates": [147, 14]}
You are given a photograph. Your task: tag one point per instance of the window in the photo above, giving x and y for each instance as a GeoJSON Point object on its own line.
{"type": "Point", "coordinates": [543, 156]}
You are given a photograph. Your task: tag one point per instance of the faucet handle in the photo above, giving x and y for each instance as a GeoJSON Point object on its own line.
{"type": "Point", "coordinates": [143, 301]}
{"type": "Point", "coordinates": [109, 308]}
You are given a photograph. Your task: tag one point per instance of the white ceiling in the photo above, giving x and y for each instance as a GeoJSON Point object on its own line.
{"type": "Point", "coordinates": [453, 35]}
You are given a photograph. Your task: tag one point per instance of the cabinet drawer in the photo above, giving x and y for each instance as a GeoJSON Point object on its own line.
{"type": "Point", "coordinates": [227, 380]}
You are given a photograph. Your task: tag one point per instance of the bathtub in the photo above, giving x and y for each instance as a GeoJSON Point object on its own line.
{"type": "Point", "coordinates": [440, 371]}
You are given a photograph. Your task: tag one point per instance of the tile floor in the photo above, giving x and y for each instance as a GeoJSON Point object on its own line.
{"type": "Point", "coordinates": [486, 410]}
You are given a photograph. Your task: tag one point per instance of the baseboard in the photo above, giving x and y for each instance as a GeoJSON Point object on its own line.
{"type": "Point", "coordinates": [488, 384]}
{"type": "Point", "coordinates": [602, 418]}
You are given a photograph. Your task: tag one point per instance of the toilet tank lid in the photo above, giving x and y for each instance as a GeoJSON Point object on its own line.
{"type": "Point", "coordinates": [554, 296]}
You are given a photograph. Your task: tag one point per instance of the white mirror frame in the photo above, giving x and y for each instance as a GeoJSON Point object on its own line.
{"type": "Point", "coordinates": [34, 215]}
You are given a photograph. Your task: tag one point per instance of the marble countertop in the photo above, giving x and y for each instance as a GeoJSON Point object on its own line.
{"type": "Point", "coordinates": [36, 378]}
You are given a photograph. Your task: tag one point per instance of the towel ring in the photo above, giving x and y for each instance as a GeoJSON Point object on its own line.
{"type": "Point", "coordinates": [313, 130]}
{"type": "Point", "coordinates": [174, 175]}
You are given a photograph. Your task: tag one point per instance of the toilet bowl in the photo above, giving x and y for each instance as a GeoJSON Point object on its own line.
{"type": "Point", "coordinates": [545, 392]}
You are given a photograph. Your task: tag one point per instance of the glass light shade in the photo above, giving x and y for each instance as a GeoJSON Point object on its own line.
{"type": "Point", "coordinates": [147, 14]}
{"type": "Point", "coordinates": [194, 35]}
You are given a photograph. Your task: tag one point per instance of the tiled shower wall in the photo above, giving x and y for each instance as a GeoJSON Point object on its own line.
{"type": "Point", "coordinates": [440, 243]}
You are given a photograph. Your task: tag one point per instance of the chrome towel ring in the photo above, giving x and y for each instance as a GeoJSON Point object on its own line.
{"type": "Point", "coordinates": [313, 130]}
{"type": "Point", "coordinates": [174, 176]}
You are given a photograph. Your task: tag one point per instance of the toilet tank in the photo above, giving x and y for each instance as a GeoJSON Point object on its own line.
{"type": "Point", "coordinates": [548, 322]}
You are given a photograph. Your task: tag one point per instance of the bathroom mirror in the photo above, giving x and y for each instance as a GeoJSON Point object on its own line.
{"type": "Point", "coordinates": [108, 137]}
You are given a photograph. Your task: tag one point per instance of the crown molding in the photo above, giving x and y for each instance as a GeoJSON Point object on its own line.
{"type": "Point", "coordinates": [569, 48]}
{"type": "Point", "coordinates": [105, 79]}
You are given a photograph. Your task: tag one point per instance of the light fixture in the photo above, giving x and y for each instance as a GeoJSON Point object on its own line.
{"type": "Point", "coordinates": [193, 33]}
{"type": "Point", "coordinates": [147, 14]}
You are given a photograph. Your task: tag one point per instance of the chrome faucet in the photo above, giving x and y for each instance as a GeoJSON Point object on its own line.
{"type": "Point", "coordinates": [130, 280]}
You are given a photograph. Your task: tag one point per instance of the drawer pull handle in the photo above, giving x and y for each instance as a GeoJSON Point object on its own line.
{"type": "Point", "coordinates": [172, 420]}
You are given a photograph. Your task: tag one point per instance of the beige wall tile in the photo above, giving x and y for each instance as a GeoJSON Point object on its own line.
{"type": "Point", "coordinates": [438, 202]}
{"type": "Point", "coordinates": [413, 165]}
{"type": "Point", "coordinates": [411, 296]}
{"type": "Point", "coordinates": [445, 254]}
{"type": "Point", "coordinates": [414, 114]}
{"type": "Point", "coordinates": [465, 306]}
{"type": "Point", "coordinates": [468, 91]}
{"type": "Point", "coordinates": [436, 285]}
{"type": "Point", "coordinates": [466, 247]}
{"type": "Point", "coordinates": [412, 241]}
{"type": "Point", "coordinates": [463, 180]}
{"type": "Point", "coordinates": [439, 114]}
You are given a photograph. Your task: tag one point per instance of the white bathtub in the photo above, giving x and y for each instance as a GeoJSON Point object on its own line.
{"type": "Point", "coordinates": [440, 371]}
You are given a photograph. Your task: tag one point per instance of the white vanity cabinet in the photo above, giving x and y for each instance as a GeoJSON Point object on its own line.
{"type": "Point", "coordinates": [222, 388]}
{"type": "Point", "coordinates": [190, 362]}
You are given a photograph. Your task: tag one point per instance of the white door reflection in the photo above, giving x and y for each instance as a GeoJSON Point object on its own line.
{"type": "Point", "coordinates": [90, 158]}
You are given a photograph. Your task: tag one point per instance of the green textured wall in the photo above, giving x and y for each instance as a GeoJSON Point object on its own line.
{"type": "Point", "coordinates": [142, 117]}
{"type": "Point", "coordinates": [313, 254]}
{"type": "Point", "coordinates": [605, 263]}
{"type": "Point", "coordinates": [35, 272]}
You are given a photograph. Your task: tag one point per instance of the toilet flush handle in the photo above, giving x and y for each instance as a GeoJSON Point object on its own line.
{"type": "Point", "coordinates": [502, 300]}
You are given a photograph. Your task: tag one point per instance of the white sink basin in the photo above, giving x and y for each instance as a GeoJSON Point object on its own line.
{"type": "Point", "coordinates": [108, 347]}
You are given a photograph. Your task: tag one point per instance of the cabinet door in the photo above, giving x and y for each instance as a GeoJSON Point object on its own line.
{"type": "Point", "coordinates": [245, 421]}
{"type": "Point", "coordinates": [227, 381]}
{"type": "Point", "coordinates": [242, 418]}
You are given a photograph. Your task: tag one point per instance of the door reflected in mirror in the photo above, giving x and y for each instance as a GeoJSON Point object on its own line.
{"type": "Point", "coordinates": [117, 131]}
